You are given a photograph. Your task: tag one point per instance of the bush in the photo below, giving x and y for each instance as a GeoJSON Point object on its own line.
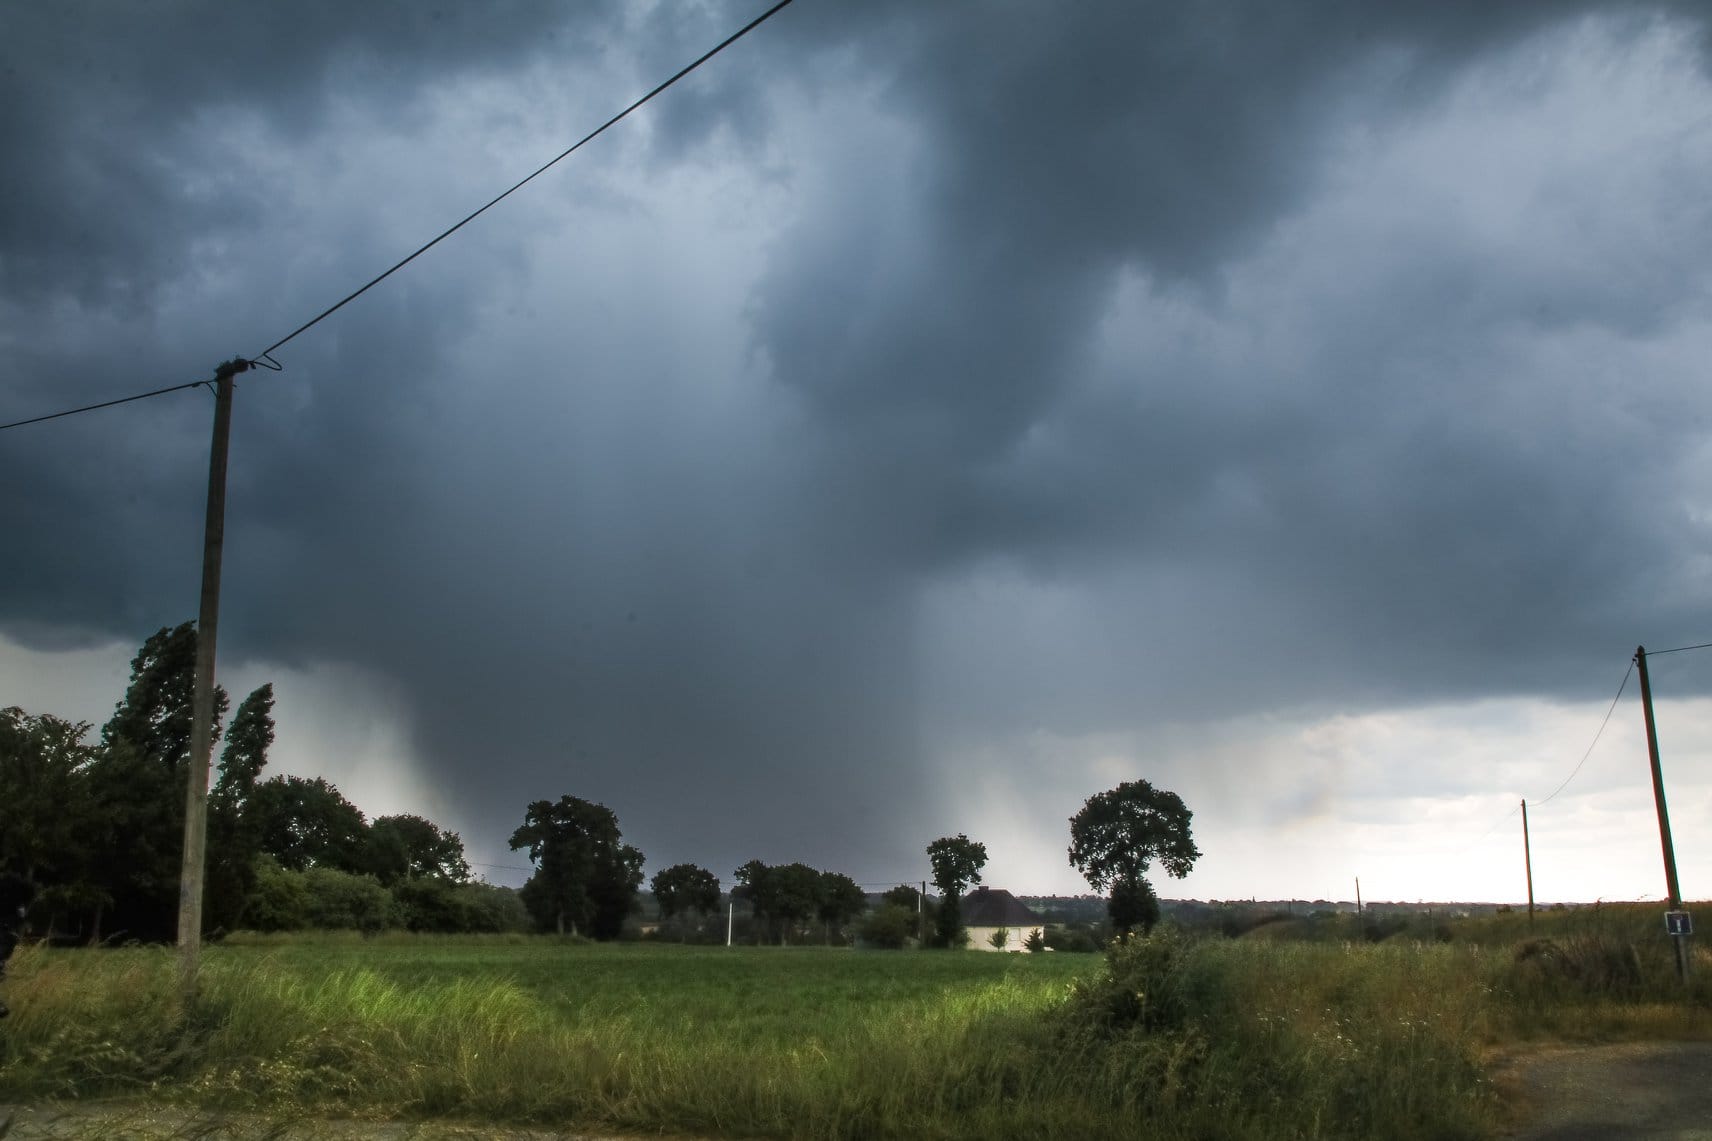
{"type": "Point", "coordinates": [279, 901]}
{"type": "Point", "coordinates": [889, 927]}
{"type": "Point", "coordinates": [430, 905]}
{"type": "Point", "coordinates": [340, 901]}
{"type": "Point", "coordinates": [493, 910]}
{"type": "Point", "coordinates": [1591, 966]}
{"type": "Point", "coordinates": [1144, 985]}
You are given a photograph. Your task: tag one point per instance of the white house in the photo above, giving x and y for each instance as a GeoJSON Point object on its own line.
{"type": "Point", "coordinates": [987, 912]}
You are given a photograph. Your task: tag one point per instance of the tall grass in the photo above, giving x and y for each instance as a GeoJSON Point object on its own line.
{"type": "Point", "coordinates": [1167, 1038]}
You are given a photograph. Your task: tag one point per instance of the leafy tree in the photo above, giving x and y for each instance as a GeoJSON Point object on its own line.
{"type": "Point", "coordinates": [841, 900]}
{"type": "Point", "coordinates": [1118, 834]}
{"type": "Point", "coordinates": [136, 830]}
{"type": "Point", "coordinates": [795, 895]}
{"type": "Point", "coordinates": [232, 845]}
{"type": "Point", "coordinates": [784, 896]}
{"type": "Point", "coordinates": [585, 877]}
{"type": "Point", "coordinates": [248, 739]}
{"type": "Point", "coordinates": [754, 888]}
{"type": "Point", "coordinates": [44, 796]}
{"type": "Point", "coordinates": [138, 786]}
{"type": "Point", "coordinates": [904, 895]}
{"type": "Point", "coordinates": [683, 888]}
{"type": "Point", "coordinates": [155, 713]}
{"type": "Point", "coordinates": [307, 823]}
{"type": "Point", "coordinates": [957, 862]}
{"type": "Point", "coordinates": [912, 900]}
{"type": "Point", "coordinates": [405, 847]}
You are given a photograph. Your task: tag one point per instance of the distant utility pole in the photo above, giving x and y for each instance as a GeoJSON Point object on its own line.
{"type": "Point", "coordinates": [1528, 864]}
{"type": "Point", "coordinates": [202, 700]}
{"type": "Point", "coordinates": [1663, 813]}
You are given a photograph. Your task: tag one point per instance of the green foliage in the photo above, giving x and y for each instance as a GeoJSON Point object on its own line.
{"type": "Point", "coordinates": [232, 842]}
{"type": "Point", "coordinates": [400, 847]}
{"type": "Point", "coordinates": [154, 717]}
{"type": "Point", "coordinates": [999, 938]}
{"type": "Point", "coordinates": [136, 827]}
{"type": "Point", "coordinates": [957, 862]}
{"type": "Point", "coordinates": [306, 823]}
{"type": "Point", "coordinates": [904, 895]}
{"type": "Point", "coordinates": [1079, 938]}
{"type": "Point", "coordinates": [100, 829]}
{"type": "Point", "coordinates": [684, 888]}
{"type": "Point", "coordinates": [490, 909]}
{"type": "Point", "coordinates": [341, 901]}
{"type": "Point", "coordinates": [1267, 1041]}
{"type": "Point", "coordinates": [280, 899]}
{"type": "Point", "coordinates": [1118, 834]}
{"type": "Point", "coordinates": [841, 899]}
{"type": "Point", "coordinates": [1035, 943]}
{"type": "Point", "coordinates": [1133, 906]}
{"type": "Point", "coordinates": [585, 877]}
{"type": "Point", "coordinates": [784, 897]}
{"type": "Point", "coordinates": [889, 927]}
{"type": "Point", "coordinates": [247, 741]}
{"type": "Point", "coordinates": [44, 796]}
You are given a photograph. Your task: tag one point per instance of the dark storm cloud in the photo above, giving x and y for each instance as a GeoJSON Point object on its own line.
{"type": "Point", "coordinates": [1046, 291]}
{"type": "Point", "coordinates": [1170, 143]}
{"type": "Point", "coordinates": [111, 105]}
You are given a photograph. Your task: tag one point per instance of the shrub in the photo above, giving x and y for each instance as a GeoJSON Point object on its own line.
{"type": "Point", "coordinates": [889, 927]}
{"type": "Point", "coordinates": [1593, 966]}
{"type": "Point", "coordinates": [340, 901]}
{"type": "Point", "coordinates": [1144, 985]}
{"type": "Point", "coordinates": [280, 900]}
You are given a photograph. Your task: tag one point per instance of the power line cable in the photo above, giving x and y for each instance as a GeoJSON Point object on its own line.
{"type": "Point", "coordinates": [264, 358]}
{"type": "Point", "coordinates": [104, 404]}
{"type": "Point", "coordinates": [542, 169]}
{"type": "Point", "coordinates": [1679, 649]}
{"type": "Point", "coordinates": [1622, 686]}
{"type": "Point", "coordinates": [1594, 743]}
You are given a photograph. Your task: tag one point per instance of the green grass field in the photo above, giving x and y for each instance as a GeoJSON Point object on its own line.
{"type": "Point", "coordinates": [1215, 1038]}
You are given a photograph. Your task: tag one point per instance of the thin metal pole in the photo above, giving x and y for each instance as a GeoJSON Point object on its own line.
{"type": "Point", "coordinates": [202, 700]}
{"type": "Point", "coordinates": [1663, 813]}
{"type": "Point", "coordinates": [1528, 863]}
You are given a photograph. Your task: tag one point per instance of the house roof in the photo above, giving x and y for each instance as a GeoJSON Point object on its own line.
{"type": "Point", "coordinates": [995, 907]}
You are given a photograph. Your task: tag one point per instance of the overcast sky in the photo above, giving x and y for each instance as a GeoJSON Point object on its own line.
{"type": "Point", "coordinates": [920, 419]}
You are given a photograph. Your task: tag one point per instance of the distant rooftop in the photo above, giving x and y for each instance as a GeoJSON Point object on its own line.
{"type": "Point", "coordinates": [995, 907]}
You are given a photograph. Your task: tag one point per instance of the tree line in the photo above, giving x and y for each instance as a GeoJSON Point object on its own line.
{"type": "Point", "coordinates": [97, 826]}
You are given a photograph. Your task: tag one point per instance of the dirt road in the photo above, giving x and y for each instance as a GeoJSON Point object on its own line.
{"type": "Point", "coordinates": [1625, 1092]}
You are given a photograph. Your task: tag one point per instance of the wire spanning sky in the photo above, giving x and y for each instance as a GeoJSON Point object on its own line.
{"type": "Point", "coordinates": [919, 419]}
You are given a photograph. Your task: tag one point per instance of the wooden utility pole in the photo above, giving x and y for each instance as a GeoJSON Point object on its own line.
{"type": "Point", "coordinates": [1528, 864]}
{"type": "Point", "coordinates": [202, 701]}
{"type": "Point", "coordinates": [1663, 812]}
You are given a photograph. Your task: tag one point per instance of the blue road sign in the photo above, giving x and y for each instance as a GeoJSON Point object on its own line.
{"type": "Point", "coordinates": [1678, 923]}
